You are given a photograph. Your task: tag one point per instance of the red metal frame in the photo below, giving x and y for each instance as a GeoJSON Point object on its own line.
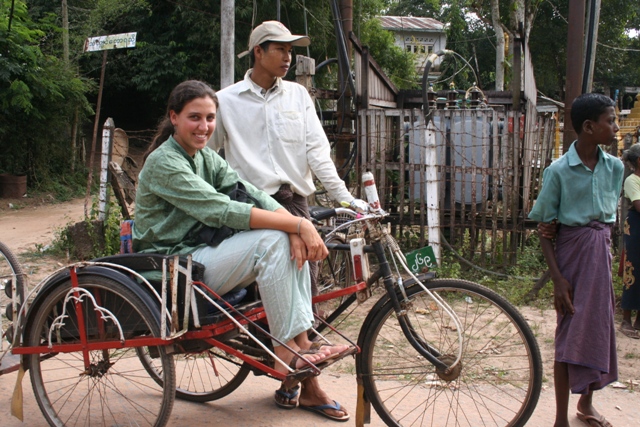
{"type": "Point", "coordinates": [206, 333]}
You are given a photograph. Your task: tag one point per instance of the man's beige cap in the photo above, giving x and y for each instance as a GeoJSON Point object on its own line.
{"type": "Point", "coordinates": [274, 31]}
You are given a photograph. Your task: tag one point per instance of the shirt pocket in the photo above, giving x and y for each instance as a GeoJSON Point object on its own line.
{"type": "Point", "coordinates": [289, 126]}
{"type": "Point", "coordinates": [610, 202]}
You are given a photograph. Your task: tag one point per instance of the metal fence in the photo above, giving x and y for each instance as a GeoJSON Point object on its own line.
{"type": "Point", "coordinates": [476, 167]}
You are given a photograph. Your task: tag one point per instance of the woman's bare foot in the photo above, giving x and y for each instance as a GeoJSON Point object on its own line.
{"type": "Point", "coordinates": [295, 362]}
{"type": "Point", "coordinates": [329, 349]}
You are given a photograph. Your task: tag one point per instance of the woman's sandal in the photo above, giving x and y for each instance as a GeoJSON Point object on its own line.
{"type": "Point", "coordinates": [284, 395]}
{"type": "Point", "coordinates": [287, 395]}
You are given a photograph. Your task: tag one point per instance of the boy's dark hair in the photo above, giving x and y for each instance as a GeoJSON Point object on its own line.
{"type": "Point", "coordinates": [252, 57]}
{"type": "Point", "coordinates": [588, 106]}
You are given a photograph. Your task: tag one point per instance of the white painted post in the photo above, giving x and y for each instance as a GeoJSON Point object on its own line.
{"type": "Point", "coordinates": [431, 176]}
{"type": "Point", "coordinates": [107, 142]}
{"type": "Point", "coordinates": [227, 42]}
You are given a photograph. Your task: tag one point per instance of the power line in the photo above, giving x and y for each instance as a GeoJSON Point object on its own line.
{"type": "Point", "coordinates": [624, 49]}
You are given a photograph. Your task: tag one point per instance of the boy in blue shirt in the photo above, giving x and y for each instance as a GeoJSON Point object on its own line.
{"type": "Point", "coordinates": [580, 192]}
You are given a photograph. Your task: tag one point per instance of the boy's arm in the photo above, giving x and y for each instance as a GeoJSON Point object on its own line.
{"type": "Point", "coordinates": [562, 290]}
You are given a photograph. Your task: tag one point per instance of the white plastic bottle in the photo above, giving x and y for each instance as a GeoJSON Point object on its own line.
{"type": "Point", "coordinates": [370, 191]}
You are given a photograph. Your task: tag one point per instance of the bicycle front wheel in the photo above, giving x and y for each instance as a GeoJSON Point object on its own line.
{"type": "Point", "coordinates": [497, 382]}
{"type": "Point", "coordinates": [113, 388]}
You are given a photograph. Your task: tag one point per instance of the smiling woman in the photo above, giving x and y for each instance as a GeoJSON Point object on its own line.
{"type": "Point", "coordinates": [194, 124]}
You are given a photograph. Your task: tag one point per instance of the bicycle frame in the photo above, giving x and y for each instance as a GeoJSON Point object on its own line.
{"type": "Point", "coordinates": [384, 271]}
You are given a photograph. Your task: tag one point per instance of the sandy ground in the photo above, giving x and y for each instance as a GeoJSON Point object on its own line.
{"type": "Point", "coordinates": [29, 228]}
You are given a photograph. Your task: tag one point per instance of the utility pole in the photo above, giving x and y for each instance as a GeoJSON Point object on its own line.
{"type": "Point", "coordinates": [591, 39]}
{"type": "Point", "coordinates": [343, 144]}
{"type": "Point", "coordinates": [573, 84]}
{"type": "Point", "coordinates": [227, 42]}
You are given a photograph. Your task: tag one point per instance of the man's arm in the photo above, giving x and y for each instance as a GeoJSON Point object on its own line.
{"type": "Point", "coordinates": [319, 155]}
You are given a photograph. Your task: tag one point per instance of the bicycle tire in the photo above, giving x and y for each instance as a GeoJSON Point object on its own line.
{"type": "Point", "coordinates": [498, 383]}
{"type": "Point", "coordinates": [10, 267]}
{"type": "Point", "coordinates": [114, 389]}
{"type": "Point", "coordinates": [201, 376]}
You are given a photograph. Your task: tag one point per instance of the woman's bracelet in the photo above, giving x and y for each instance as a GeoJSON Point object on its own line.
{"type": "Point", "coordinates": [299, 222]}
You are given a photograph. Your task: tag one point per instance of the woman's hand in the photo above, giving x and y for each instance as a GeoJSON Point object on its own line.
{"type": "Point", "coordinates": [306, 244]}
{"type": "Point", "coordinates": [298, 249]}
{"type": "Point", "coordinates": [316, 249]}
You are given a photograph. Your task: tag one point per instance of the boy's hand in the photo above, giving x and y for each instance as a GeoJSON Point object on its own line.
{"type": "Point", "coordinates": [563, 296]}
{"type": "Point", "coordinates": [548, 230]}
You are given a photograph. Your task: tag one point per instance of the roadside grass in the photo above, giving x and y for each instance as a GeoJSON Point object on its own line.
{"type": "Point", "coordinates": [516, 282]}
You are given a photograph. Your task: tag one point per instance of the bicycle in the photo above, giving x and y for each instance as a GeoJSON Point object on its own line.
{"type": "Point", "coordinates": [461, 350]}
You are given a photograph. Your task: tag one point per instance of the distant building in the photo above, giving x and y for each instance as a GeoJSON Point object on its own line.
{"type": "Point", "coordinates": [417, 35]}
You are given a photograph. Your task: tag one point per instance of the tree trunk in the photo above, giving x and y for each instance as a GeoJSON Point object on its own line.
{"type": "Point", "coordinates": [499, 30]}
{"type": "Point", "coordinates": [517, 19]}
{"type": "Point", "coordinates": [65, 32]}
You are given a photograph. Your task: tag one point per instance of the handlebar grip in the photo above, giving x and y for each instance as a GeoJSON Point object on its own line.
{"type": "Point", "coordinates": [319, 213]}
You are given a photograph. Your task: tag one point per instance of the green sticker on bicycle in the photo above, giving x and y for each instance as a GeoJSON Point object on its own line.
{"type": "Point", "coordinates": [421, 258]}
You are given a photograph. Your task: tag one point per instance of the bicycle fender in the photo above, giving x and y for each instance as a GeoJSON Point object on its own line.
{"type": "Point", "coordinates": [424, 277]}
{"type": "Point", "coordinates": [92, 270]}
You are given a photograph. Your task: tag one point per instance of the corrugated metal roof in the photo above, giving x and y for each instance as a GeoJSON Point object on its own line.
{"type": "Point", "coordinates": [413, 23]}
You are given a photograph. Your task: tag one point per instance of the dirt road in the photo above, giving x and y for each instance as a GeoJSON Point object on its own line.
{"type": "Point", "coordinates": [21, 229]}
{"type": "Point", "coordinates": [252, 404]}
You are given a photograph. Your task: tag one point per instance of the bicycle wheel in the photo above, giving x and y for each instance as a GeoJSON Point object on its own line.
{"type": "Point", "coordinates": [497, 384]}
{"type": "Point", "coordinates": [115, 388]}
{"type": "Point", "coordinates": [201, 376]}
{"type": "Point", "coordinates": [334, 273]}
{"type": "Point", "coordinates": [10, 267]}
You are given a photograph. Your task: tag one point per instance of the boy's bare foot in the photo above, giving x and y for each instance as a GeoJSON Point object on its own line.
{"type": "Point", "coordinates": [594, 421]}
{"type": "Point", "coordinates": [588, 414]}
{"type": "Point", "coordinates": [629, 330]}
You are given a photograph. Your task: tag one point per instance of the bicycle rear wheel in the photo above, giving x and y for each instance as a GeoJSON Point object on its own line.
{"type": "Point", "coordinates": [497, 384]}
{"type": "Point", "coordinates": [201, 376]}
{"type": "Point", "coordinates": [9, 268]}
{"type": "Point", "coordinates": [115, 388]}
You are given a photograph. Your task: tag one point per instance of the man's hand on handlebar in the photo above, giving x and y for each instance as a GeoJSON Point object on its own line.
{"type": "Point", "coordinates": [359, 205]}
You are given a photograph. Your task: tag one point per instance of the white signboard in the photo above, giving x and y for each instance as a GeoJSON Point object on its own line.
{"type": "Point", "coordinates": [113, 41]}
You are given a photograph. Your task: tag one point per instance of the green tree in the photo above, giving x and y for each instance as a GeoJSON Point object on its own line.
{"type": "Point", "coordinates": [38, 95]}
